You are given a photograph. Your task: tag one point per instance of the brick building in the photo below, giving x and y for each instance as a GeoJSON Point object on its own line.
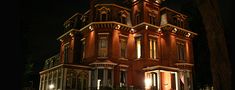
{"type": "Point", "coordinates": [128, 46]}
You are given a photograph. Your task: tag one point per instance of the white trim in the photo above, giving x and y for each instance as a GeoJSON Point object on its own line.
{"type": "Point", "coordinates": [157, 67]}
{"type": "Point", "coordinates": [108, 63]}
{"type": "Point", "coordinates": [123, 35]}
{"type": "Point", "coordinates": [112, 5]}
{"type": "Point", "coordinates": [138, 35]}
{"type": "Point", "coordinates": [179, 28]}
{"type": "Point", "coordinates": [82, 39]}
{"type": "Point", "coordinates": [154, 36]}
{"type": "Point", "coordinates": [122, 65]}
{"type": "Point", "coordinates": [66, 33]}
{"type": "Point", "coordinates": [79, 66]}
{"type": "Point", "coordinates": [103, 33]}
{"type": "Point", "coordinates": [184, 64]}
{"type": "Point", "coordinates": [144, 23]}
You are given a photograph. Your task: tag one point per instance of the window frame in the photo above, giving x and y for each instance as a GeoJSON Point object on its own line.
{"type": "Point", "coordinates": [154, 53]}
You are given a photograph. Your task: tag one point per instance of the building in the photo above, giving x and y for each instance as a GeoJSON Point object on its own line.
{"type": "Point", "coordinates": [122, 46]}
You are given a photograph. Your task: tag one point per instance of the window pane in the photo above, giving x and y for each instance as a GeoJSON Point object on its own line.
{"type": "Point", "coordinates": [150, 48]}
{"type": "Point", "coordinates": [83, 49]}
{"type": "Point", "coordinates": [154, 49]}
{"type": "Point", "coordinates": [109, 77]}
{"type": "Point", "coordinates": [122, 78]}
{"type": "Point", "coordinates": [103, 47]}
{"type": "Point", "coordinates": [138, 45]}
{"type": "Point", "coordinates": [103, 17]}
{"type": "Point", "coordinates": [66, 47]}
{"type": "Point", "coordinates": [123, 48]}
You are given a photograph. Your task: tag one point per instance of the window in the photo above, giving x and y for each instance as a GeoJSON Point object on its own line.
{"type": "Point", "coordinates": [152, 48]}
{"type": "Point", "coordinates": [104, 16]}
{"type": "Point", "coordinates": [123, 20]}
{"type": "Point", "coordinates": [152, 19]}
{"type": "Point", "coordinates": [173, 81]}
{"type": "Point", "coordinates": [138, 47]}
{"type": "Point", "coordinates": [180, 51]}
{"type": "Point", "coordinates": [83, 48]}
{"type": "Point", "coordinates": [110, 77]}
{"type": "Point", "coordinates": [103, 46]}
{"type": "Point", "coordinates": [100, 78]}
{"type": "Point", "coordinates": [71, 79]}
{"type": "Point", "coordinates": [66, 48]}
{"type": "Point", "coordinates": [122, 78]}
{"type": "Point", "coordinates": [137, 18]}
{"type": "Point", "coordinates": [104, 78]}
{"type": "Point", "coordinates": [54, 77]}
{"type": "Point", "coordinates": [123, 43]}
{"type": "Point", "coordinates": [59, 79]}
{"type": "Point", "coordinates": [152, 80]}
{"type": "Point", "coordinates": [104, 13]}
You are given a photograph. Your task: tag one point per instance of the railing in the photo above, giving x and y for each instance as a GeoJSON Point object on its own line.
{"type": "Point", "coordinates": [52, 61]}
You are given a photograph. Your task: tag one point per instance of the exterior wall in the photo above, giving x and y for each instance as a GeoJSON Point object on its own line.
{"type": "Point", "coordinates": [135, 68]}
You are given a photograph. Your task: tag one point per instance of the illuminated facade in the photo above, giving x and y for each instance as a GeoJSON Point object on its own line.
{"type": "Point", "coordinates": [112, 46]}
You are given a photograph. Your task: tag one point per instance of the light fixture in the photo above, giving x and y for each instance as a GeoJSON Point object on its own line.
{"type": "Point", "coordinates": [70, 34]}
{"type": "Point", "coordinates": [117, 27]}
{"type": "Point", "coordinates": [157, 1]}
{"type": "Point", "coordinates": [132, 30]}
{"type": "Point", "coordinates": [146, 27]}
{"type": "Point", "coordinates": [90, 28]}
{"type": "Point", "coordinates": [159, 30]}
{"type": "Point", "coordinates": [51, 86]}
{"type": "Point", "coordinates": [188, 35]}
{"type": "Point", "coordinates": [61, 40]}
{"type": "Point", "coordinates": [174, 30]}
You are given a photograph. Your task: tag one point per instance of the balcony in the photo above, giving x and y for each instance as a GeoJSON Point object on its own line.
{"type": "Point", "coordinates": [52, 61]}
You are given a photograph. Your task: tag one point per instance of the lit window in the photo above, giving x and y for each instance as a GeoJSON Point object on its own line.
{"type": "Point", "coordinates": [123, 43]}
{"type": "Point", "coordinates": [103, 47]}
{"type": "Point", "coordinates": [138, 47]}
{"type": "Point", "coordinates": [100, 78]}
{"type": "Point", "coordinates": [104, 78]}
{"type": "Point", "coordinates": [180, 51]}
{"type": "Point", "coordinates": [151, 80]}
{"type": "Point", "coordinates": [122, 78]}
{"type": "Point", "coordinates": [153, 48]}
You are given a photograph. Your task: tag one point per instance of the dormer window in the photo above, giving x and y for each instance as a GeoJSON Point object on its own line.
{"type": "Point", "coordinates": [104, 13]}
{"type": "Point", "coordinates": [153, 17]}
{"type": "Point", "coordinates": [179, 20]}
{"type": "Point", "coordinates": [103, 17]}
{"type": "Point", "coordinates": [123, 16]}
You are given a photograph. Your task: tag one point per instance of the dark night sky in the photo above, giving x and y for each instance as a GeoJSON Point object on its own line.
{"type": "Point", "coordinates": [42, 23]}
